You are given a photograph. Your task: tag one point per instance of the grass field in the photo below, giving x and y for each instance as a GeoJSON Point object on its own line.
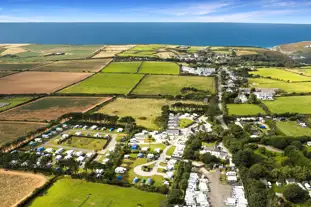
{"type": "Point", "coordinates": [171, 85]}
{"type": "Point", "coordinates": [291, 128]}
{"type": "Point", "coordinates": [32, 82]}
{"type": "Point", "coordinates": [106, 83]}
{"type": "Point", "coordinates": [122, 67]}
{"type": "Point", "coordinates": [71, 193]}
{"type": "Point", "coordinates": [298, 87]}
{"type": "Point", "coordinates": [75, 66]}
{"type": "Point", "coordinates": [280, 74]}
{"type": "Point", "coordinates": [10, 131]}
{"type": "Point", "coordinates": [153, 67]}
{"type": "Point", "coordinates": [13, 101]}
{"type": "Point", "coordinates": [144, 111]}
{"type": "Point", "coordinates": [16, 186]}
{"type": "Point", "coordinates": [291, 104]}
{"type": "Point", "coordinates": [17, 66]}
{"type": "Point", "coordinates": [85, 143]}
{"type": "Point", "coordinates": [170, 151]}
{"type": "Point", "coordinates": [244, 109]}
{"type": "Point", "coordinates": [50, 108]}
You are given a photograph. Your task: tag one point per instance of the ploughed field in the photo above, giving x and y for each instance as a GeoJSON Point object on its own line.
{"type": "Point", "coordinates": [90, 66]}
{"type": "Point", "coordinates": [16, 186]}
{"type": "Point", "coordinates": [105, 83]}
{"type": "Point", "coordinates": [71, 193]}
{"type": "Point", "coordinates": [38, 82]}
{"type": "Point", "coordinates": [244, 109]}
{"type": "Point", "coordinates": [51, 108]}
{"type": "Point", "coordinates": [10, 131]}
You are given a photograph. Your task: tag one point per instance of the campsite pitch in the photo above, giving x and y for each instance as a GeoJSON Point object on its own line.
{"type": "Point", "coordinates": [16, 186]}
{"type": "Point", "coordinates": [172, 85]}
{"type": "Point", "coordinates": [10, 131]}
{"type": "Point", "coordinates": [71, 193]}
{"type": "Point", "coordinates": [105, 83]}
{"type": "Point", "coordinates": [38, 82]}
{"type": "Point", "coordinates": [51, 108]}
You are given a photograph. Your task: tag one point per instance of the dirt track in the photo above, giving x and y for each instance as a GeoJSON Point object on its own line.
{"type": "Point", "coordinates": [16, 186]}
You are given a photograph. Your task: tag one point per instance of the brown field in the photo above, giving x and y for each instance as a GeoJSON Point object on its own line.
{"type": "Point", "coordinates": [118, 47]}
{"type": "Point", "coordinates": [38, 82]}
{"type": "Point", "coordinates": [17, 186]}
{"type": "Point", "coordinates": [245, 52]}
{"type": "Point", "coordinates": [294, 47]}
{"type": "Point", "coordinates": [13, 51]}
{"type": "Point", "coordinates": [165, 55]}
{"type": "Point", "coordinates": [106, 54]}
{"type": "Point", "coordinates": [10, 131]}
{"type": "Point", "coordinates": [75, 66]}
{"type": "Point", "coordinates": [5, 73]}
{"type": "Point", "coordinates": [51, 108]}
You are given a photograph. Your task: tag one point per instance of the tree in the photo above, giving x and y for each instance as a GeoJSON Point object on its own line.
{"type": "Point", "coordinates": [163, 189]}
{"type": "Point", "coordinates": [244, 157]}
{"type": "Point", "coordinates": [183, 184]}
{"type": "Point", "coordinates": [174, 196]}
{"type": "Point", "coordinates": [252, 99]}
{"type": "Point", "coordinates": [207, 158]}
{"type": "Point", "coordinates": [295, 194]}
{"type": "Point", "coordinates": [257, 171]}
{"type": "Point", "coordinates": [127, 120]}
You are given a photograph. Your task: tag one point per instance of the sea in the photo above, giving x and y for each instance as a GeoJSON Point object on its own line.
{"type": "Point", "coordinates": [199, 34]}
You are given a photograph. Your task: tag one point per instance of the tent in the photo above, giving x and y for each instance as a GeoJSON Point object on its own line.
{"type": "Point", "coordinates": [119, 177]}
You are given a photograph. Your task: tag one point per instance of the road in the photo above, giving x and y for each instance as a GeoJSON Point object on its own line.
{"type": "Point", "coordinates": [138, 169]}
{"type": "Point", "coordinates": [219, 93]}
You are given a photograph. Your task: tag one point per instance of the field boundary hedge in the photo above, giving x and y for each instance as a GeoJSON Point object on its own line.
{"type": "Point", "coordinates": [130, 92]}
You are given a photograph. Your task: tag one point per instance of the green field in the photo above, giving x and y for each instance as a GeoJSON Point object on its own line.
{"type": "Point", "coordinates": [17, 66]}
{"type": "Point", "coordinates": [144, 111]}
{"type": "Point", "coordinates": [147, 47]}
{"type": "Point", "coordinates": [72, 193]}
{"type": "Point", "coordinates": [122, 67]}
{"type": "Point", "coordinates": [280, 74]}
{"type": "Point", "coordinates": [105, 83]}
{"type": "Point", "coordinates": [154, 67]}
{"type": "Point", "coordinates": [291, 128]}
{"type": "Point", "coordinates": [291, 104]}
{"type": "Point", "coordinates": [13, 101]}
{"type": "Point", "coordinates": [298, 87]}
{"type": "Point", "coordinates": [171, 85]}
{"type": "Point", "coordinates": [85, 143]}
{"type": "Point", "coordinates": [133, 53]}
{"type": "Point", "coordinates": [244, 109]}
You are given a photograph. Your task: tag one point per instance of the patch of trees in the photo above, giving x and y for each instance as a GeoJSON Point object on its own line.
{"type": "Point", "coordinates": [162, 120]}
{"type": "Point", "coordinates": [281, 142]}
{"type": "Point", "coordinates": [295, 194]}
{"type": "Point", "coordinates": [96, 117]}
{"type": "Point", "coordinates": [193, 108]}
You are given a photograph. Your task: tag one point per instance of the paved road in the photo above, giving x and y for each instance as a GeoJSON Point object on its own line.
{"type": "Point", "coordinates": [138, 169]}
{"type": "Point", "coordinates": [220, 118]}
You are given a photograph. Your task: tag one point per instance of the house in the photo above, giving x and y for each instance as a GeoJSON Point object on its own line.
{"type": "Point", "coordinates": [242, 98]}
{"type": "Point", "coordinates": [245, 90]}
{"type": "Point", "coordinates": [264, 95]}
{"type": "Point", "coordinates": [120, 170]}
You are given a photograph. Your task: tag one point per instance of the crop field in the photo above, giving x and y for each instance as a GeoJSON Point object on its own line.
{"type": "Point", "coordinates": [10, 131]}
{"type": "Point", "coordinates": [106, 54]}
{"type": "Point", "coordinates": [298, 87]}
{"type": "Point", "coordinates": [75, 66]}
{"type": "Point", "coordinates": [153, 67]}
{"type": "Point", "coordinates": [71, 193]}
{"type": "Point", "coordinates": [106, 83]}
{"type": "Point", "coordinates": [245, 52]}
{"type": "Point", "coordinates": [291, 104]}
{"type": "Point", "coordinates": [17, 66]}
{"type": "Point", "coordinates": [13, 101]}
{"type": "Point", "coordinates": [144, 111]}
{"type": "Point", "coordinates": [122, 67]}
{"type": "Point", "coordinates": [147, 47]}
{"type": "Point", "coordinates": [244, 109]}
{"type": "Point", "coordinates": [118, 47]}
{"type": "Point", "coordinates": [137, 53]}
{"type": "Point", "coordinates": [171, 85]}
{"type": "Point", "coordinates": [85, 143]}
{"type": "Point", "coordinates": [280, 74]}
{"type": "Point", "coordinates": [16, 186]}
{"type": "Point", "coordinates": [291, 128]}
{"type": "Point", "coordinates": [50, 108]}
{"type": "Point", "coordinates": [38, 82]}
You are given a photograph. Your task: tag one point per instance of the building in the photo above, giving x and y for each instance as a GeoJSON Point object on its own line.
{"type": "Point", "coordinates": [242, 98]}
{"type": "Point", "coordinates": [264, 96]}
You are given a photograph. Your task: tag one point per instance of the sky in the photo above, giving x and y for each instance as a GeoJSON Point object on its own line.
{"type": "Point", "coordinates": [245, 11]}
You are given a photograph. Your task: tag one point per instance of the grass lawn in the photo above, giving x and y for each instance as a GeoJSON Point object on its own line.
{"type": "Point", "coordinates": [153, 67]}
{"type": "Point", "coordinates": [170, 151]}
{"type": "Point", "coordinates": [105, 83]}
{"type": "Point", "coordinates": [71, 193]}
{"type": "Point", "coordinates": [291, 128]}
{"type": "Point", "coordinates": [144, 111]}
{"type": "Point", "coordinates": [183, 123]}
{"type": "Point", "coordinates": [244, 109]}
{"type": "Point", "coordinates": [153, 146]}
{"type": "Point", "coordinates": [291, 104]}
{"type": "Point", "coordinates": [280, 74]}
{"type": "Point", "coordinates": [122, 67]}
{"type": "Point", "coordinates": [13, 101]}
{"type": "Point", "coordinates": [298, 87]}
{"type": "Point", "coordinates": [85, 143]}
{"type": "Point", "coordinates": [171, 85]}
{"type": "Point", "coordinates": [210, 144]}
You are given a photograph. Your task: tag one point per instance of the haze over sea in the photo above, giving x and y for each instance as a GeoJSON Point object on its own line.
{"type": "Point", "coordinates": [214, 34]}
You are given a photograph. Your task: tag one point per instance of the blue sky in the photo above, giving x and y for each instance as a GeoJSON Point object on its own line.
{"type": "Point", "coordinates": [250, 11]}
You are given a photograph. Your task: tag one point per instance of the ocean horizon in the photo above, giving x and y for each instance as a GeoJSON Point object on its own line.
{"type": "Point", "coordinates": [197, 34]}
